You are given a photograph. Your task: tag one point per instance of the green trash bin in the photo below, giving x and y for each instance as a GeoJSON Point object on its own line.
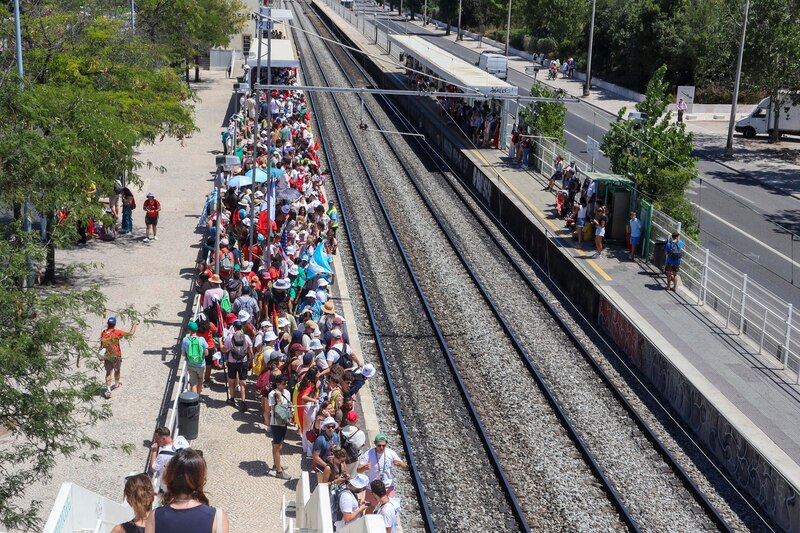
{"type": "Point", "coordinates": [189, 415]}
{"type": "Point", "coordinates": [660, 253]}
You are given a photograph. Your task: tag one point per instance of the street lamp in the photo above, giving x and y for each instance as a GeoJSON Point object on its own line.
{"type": "Point", "coordinates": [732, 122]}
{"type": "Point", "coordinates": [133, 16]}
{"type": "Point", "coordinates": [458, 35]}
{"type": "Point", "coordinates": [589, 61]}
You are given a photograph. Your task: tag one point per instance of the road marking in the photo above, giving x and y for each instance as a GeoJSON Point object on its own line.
{"type": "Point", "coordinates": [695, 186]}
{"type": "Point", "coordinates": [742, 232]}
{"type": "Point", "coordinates": [538, 212]}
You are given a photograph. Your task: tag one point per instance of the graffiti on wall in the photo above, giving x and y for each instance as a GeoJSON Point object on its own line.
{"type": "Point", "coordinates": [742, 462]}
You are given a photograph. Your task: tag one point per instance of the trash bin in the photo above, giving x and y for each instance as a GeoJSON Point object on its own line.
{"type": "Point", "coordinates": [189, 414]}
{"type": "Point", "coordinates": [660, 253]}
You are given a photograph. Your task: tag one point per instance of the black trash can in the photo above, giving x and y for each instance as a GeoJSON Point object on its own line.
{"type": "Point", "coordinates": [189, 414]}
{"type": "Point", "coordinates": [660, 253]}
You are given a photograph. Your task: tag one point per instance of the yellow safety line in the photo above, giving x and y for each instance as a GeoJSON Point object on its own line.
{"type": "Point", "coordinates": [538, 212]}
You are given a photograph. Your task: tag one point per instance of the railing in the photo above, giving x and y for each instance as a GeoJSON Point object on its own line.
{"type": "Point", "coordinates": [172, 417]}
{"type": "Point", "coordinates": [743, 305]}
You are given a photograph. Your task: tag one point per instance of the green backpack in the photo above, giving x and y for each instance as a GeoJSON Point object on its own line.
{"type": "Point", "coordinates": [194, 352]}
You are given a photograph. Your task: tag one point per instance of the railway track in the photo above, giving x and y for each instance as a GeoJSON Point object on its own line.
{"type": "Point", "coordinates": [551, 479]}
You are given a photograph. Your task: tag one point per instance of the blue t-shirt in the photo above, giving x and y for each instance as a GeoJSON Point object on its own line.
{"type": "Point", "coordinates": [636, 227]}
{"type": "Point", "coordinates": [185, 346]}
{"type": "Point", "coordinates": [323, 445]}
{"type": "Point", "coordinates": [674, 260]}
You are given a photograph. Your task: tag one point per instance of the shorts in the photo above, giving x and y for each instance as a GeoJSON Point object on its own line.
{"type": "Point", "coordinates": [278, 434]}
{"type": "Point", "coordinates": [672, 268]}
{"type": "Point", "coordinates": [196, 374]}
{"type": "Point", "coordinates": [112, 364]}
{"type": "Point", "coordinates": [151, 221]}
{"type": "Point", "coordinates": [237, 370]}
{"type": "Point", "coordinates": [635, 240]}
{"type": "Point", "coordinates": [210, 358]}
{"type": "Point", "coordinates": [600, 232]}
{"type": "Point", "coordinates": [581, 222]}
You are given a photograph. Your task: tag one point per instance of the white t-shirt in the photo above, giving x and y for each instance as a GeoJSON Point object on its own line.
{"type": "Point", "coordinates": [348, 503]}
{"type": "Point", "coordinates": [274, 399]}
{"type": "Point", "coordinates": [388, 511]}
{"type": "Point", "coordinates": [321, 361]}
{"type": "Point", "coordinates": [380, 465]}
{"type": "Point", "coordinates": [334, 356]}
{"type": "Point", "coordinates": [164, 456]}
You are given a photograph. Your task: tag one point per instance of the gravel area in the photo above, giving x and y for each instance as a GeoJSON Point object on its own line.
{"type": "Point", "coordinates": [555, 488]}
{"type": "Point", "coordinates": [434, 420]}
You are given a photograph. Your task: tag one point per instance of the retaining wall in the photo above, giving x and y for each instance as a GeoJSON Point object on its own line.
{"type": "Point", "coordinates": [723, 437]}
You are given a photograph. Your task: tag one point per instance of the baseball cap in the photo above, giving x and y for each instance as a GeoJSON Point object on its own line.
{"type": "Point", "coordinates": [192, 326]}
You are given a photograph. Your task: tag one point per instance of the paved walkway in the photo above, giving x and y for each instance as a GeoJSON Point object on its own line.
{"type": "Point", "coordinates": [147, 274]}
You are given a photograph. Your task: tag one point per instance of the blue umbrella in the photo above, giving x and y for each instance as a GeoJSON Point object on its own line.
{"type": "Point", "coordinates": [242, 180]}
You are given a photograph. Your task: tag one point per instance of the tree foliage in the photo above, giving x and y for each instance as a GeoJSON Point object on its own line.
{"type": "Point", "coordinates": [545, 118]}
{"type": "Point", "coordinates": [656, 153]}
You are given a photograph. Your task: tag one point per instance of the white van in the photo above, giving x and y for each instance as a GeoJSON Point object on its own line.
{"type": "Point", "coordinates": [494, 64]}
{"type": "Point", "coordinates": [762, 119]}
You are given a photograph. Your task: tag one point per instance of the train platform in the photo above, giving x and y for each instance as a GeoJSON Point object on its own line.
{"type": "Point", "coordinates": [757, 399]}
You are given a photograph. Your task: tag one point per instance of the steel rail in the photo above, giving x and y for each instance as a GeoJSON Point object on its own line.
{"type": "Point", "coordinates": [573, 434]}
{"type": "Point", "coordinates": [494, 460]}
{"type": "Point", "coordinates": [666, 455]}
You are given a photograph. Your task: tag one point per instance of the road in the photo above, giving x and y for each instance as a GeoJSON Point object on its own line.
{"type": "Point", "coordinates": [738, 217]}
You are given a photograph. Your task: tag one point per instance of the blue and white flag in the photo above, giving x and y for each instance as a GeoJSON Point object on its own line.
{"type": "Point", "coordinates": [320, 262]}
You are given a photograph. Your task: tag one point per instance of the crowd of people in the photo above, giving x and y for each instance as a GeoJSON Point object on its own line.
{"type": "Point", "coordinates": [269, 327]}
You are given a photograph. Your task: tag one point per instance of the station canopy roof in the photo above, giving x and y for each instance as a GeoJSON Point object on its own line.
{"type": "Point", "coordinates": [451, 68]}
{"type": "Point", "coordinates": [283, 54]}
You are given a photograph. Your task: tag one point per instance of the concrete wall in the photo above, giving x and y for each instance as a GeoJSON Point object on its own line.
{"type": "Point", "coordinates": [759, 478]}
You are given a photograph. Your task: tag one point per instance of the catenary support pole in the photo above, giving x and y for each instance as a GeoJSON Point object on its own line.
{"type": "Point", "coordinates": [588, 85]}
{"type": "Point", "coordinates": [732, 120]}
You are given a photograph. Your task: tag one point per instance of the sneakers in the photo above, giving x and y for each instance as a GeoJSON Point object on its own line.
{"type": "Point", "coordinates": [155, 238]}
{"type": "Point", "coordinates": [231, 401]}
{"type": "Point", "coordinates": [282, 475]}
{"type": "Point", "coordinates": [107, 394]}
{"type": "Point", "coordinates": [116, 385]}
{"type": "Point", "coordinates": [595, 255]}
{"type": "Point", "coordinates": [242, 406]}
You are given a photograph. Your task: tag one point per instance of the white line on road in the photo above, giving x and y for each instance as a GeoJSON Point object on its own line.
{"type": "Point", "coordinates": [742, 232]}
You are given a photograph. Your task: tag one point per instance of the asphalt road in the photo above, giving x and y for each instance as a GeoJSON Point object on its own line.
{"type": "Point", "coordinates": [739, 216]}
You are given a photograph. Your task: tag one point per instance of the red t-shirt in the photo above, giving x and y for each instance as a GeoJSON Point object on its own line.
{"type": "Point", "coordinates": [151, 207]}
{"type": "Point", "coordinates": [109, 339]}
{"type": "Point", "coordinates": [208, 334]}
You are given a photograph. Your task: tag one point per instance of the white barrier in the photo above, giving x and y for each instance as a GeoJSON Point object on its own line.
{"type": "Point", "coordinates": [80, 510]}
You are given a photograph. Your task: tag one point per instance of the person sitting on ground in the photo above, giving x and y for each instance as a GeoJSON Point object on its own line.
{"type": "Point", "coordinates": [184, 506]}
{"type": "Point", "coordinates": [139, 495]}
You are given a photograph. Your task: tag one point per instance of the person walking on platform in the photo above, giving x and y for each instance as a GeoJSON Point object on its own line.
{"type": "Point", "coordinates": [674, 258]}
{"type": "Point", "coordinates": [112, 353]}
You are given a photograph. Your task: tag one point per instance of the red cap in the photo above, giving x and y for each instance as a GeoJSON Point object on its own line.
{"type": "Point", "coordinates": [297, 347]}
{"type": "Point", "coordinates": [230, 317]}
{"type": "Point", "coordinates": [352, 416]}
{"type": "Point", "coordinates": [338, 320]}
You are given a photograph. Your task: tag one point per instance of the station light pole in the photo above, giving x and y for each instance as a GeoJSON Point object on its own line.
{"type": "Point", "coordinates": [458, 35]}
{"type": "Point", "coordinates": [588, 85]}
{"type": "Point", "coordinates": [732, 122]}
{"type": "Point", "coordinates": [508, 27]}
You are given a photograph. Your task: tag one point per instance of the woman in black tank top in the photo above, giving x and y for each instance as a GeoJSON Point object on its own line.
{"type": "Point", "coordinates": [184, 505]}
{"type": "Point", "coordinates": [139, 495]}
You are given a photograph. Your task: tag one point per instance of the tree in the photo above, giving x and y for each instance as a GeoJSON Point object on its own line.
{"type": "Point", "coordinates": [772, 53]}
{"type": "Point", "coordinates": [545, 118]}
{"type": "Point", "coordinates": [187, 28]}
{"type": "Point", "coordinates": [655, 153]}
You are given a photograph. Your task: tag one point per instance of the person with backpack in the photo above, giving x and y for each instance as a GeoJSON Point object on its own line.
{"type": "Point", "coordinates": [378, 463]}
{"type": "Point", "coordinates": [353, 440]}
{"type": "Point", "coordinates": [340, 353]}
{"type": "Point", "coordinates": [327, 438]}
{"type": "Point", "coordinates": [239, 348]}
{"type": "Point", "coordinates": [225, 258]}
{"type": "Point", "coordinates": [345, 505]}
{"type": "Point", "coordinates": [279, 407]}
{"type": "Point", "coordinates": [385, 507]}
{"type": "Point", "coordinates": [195, 349]}
{"type": "Point", "coordinates": [247, 303]}
{"type": "Point", "coordinates": [161, 451]}
{"type": "Point", "coordinates": [674, 258]}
